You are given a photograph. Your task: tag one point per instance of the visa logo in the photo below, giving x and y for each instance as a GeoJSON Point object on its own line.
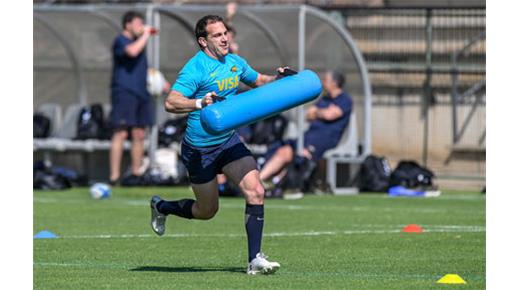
{"type": "Point", "coordinates": [228, 83]}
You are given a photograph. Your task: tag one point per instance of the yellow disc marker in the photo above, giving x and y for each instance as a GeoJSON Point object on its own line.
{"type": "Point", "coordinates": [451, 279]}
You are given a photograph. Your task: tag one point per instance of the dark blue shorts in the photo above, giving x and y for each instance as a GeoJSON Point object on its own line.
{"type": "Point", "coordinates": [204, 163]}
{"type": "Point", "coordinates": [129, 110]}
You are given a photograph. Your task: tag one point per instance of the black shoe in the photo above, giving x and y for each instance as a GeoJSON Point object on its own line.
{"type": "Point", "coordinates": [132, 180]}
{"type": "Point", "coordinates": [114, 182]}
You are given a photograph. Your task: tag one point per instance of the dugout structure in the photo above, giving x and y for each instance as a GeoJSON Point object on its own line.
{"type": "Point", "coordinates": [73, 62]}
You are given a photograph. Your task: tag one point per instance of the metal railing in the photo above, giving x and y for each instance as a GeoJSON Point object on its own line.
{"type": "Point", "coordinates": [409, 57]}
{"type": "Point", "coordinates": [474, 95]}
{"type": "Point", "coordinates": [408, 50]}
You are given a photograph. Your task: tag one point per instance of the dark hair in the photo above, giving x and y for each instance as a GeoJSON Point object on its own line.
{"type": "Point", "coordinates": [338, 78]}
{"type": "Point", "coordinates": [200, 28]}
{"type": "Point", "coordinates": [130, 16]}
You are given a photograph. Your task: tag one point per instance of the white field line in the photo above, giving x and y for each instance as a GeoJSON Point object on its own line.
{"type": "Point", "coordinates": [142, 203]}
{"type": "Point", "coordinates": [438, 229]}
{"type": "Point", "coordinates": [146, 202]}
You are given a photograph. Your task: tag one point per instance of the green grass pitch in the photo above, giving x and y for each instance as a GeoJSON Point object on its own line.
{"type": "Point", "coordinates": [322, 242]}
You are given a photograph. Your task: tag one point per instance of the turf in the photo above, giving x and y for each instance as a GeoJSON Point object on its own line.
{"type": "Point", "coordinates": [322, 242]}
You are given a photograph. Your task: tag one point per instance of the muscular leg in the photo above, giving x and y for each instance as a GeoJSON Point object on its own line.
{"type": "Point", "coordinates": [244, 173]}
{"type": "Point", "coordinates": [206, 205]}
{"type": "Point", "coordinates": [137, 151]}
{"type": "Point", "coordinates": [204, 208]}
{"type": "Point", "coordinates": [116, 153]}
{"type": "Point", "coordinates": [280, 159]}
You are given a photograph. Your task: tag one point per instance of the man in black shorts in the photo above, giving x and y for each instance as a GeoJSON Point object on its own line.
{"type": "Point", "coordinates": [214, 73]}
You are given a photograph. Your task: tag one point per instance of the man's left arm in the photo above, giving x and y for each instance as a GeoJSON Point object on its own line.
{"type": "Point", "coordinates": [335, 110]}
{"type": "Point", "coordinates": [262, 80]}
{"type": "Point", "coordinates": [265, 79]}
{"type": "Point", "coordinates": [254, 79]}
{"type": "Point", "coordinates": [330, 113]}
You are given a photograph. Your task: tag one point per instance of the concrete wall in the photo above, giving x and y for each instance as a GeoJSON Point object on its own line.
{"type": "Point", "coordinates": [397, 133]}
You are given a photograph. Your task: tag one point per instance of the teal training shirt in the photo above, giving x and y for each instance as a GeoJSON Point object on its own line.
{"type": "Point", "coordinates": [203, 74]}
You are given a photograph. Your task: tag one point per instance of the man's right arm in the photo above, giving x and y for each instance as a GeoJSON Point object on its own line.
{"type": "Point", "coordinates": [135, 48]}
{"type": "Point", "coordinates": [177, 103]}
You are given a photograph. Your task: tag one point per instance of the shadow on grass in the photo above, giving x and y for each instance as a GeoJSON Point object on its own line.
{"type": "Point", "coordinates": [187, 269]}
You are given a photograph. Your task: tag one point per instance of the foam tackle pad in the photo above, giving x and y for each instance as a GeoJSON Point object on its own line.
{"type": "Point", "coordinates": [261, 103]}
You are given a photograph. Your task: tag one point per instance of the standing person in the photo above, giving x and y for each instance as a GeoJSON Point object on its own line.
{"type": "Point", "coordinates": [231, 10]}
{"type": "Point", "coordinates": [132, 107]}
{"type": "Point", "coordinates": [212, 74]}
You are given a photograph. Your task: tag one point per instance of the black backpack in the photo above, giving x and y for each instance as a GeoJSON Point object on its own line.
{"type": "Point", "coordinates": [268, 131]}
{"type": "Point", "coordinates": [48, 181]}
{"type": "Point", "coordinates": [172, 131]}
{"type": "Point", "coordinates": [45, 179]}
{"type": "Point", "coordinates": [91, 123]}
{"type": "Point", "coordinates": [41, 126]}
{"type": "Point", "coordinates": [374, 174]}
{"type": "Point", "coordinates": [410, 175]}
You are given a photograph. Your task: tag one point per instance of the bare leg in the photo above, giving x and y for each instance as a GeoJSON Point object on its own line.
{"type": "Point", "coordinates": [203, 208]}
{"type": "Point", "coordinates": [280, 159]}
{"type": "Point", "coordinates": [244, 173]}
{"type": "Point", "coordinates": [116, 153]}
{"type": "Point", "coordinates": [206, 205]}
{"type": "Point", "coordinates": [137, 151]}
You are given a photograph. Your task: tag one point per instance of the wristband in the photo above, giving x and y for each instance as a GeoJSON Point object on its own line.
{"type": "Point", "coordinates": [198, 103]}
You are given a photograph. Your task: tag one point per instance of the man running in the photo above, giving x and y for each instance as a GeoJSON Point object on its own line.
{"type": "Point", "coordinates": [213, 74]}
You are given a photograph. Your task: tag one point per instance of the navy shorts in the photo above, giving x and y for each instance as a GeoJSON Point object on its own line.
{"type": "Point", "coordinates": [129, 110]}
{"type": "Point", "coordinates": [204, 163]}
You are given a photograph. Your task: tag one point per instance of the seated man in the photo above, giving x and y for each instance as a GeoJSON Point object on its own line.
{"type": "Point", "coordinates": [328, 119]}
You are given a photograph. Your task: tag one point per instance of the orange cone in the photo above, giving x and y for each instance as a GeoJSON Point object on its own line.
{"type": "Point", "coordinates": [412, 228]}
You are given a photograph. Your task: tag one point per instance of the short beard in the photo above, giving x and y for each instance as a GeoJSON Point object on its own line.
{"type": "Point", "coordinates": [216, 52]}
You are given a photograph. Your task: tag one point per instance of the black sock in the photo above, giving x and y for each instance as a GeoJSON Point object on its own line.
{"type": "Point", "coordinates": [180, 208]}
{"type": "Point", "coordinates": [254, 227]}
